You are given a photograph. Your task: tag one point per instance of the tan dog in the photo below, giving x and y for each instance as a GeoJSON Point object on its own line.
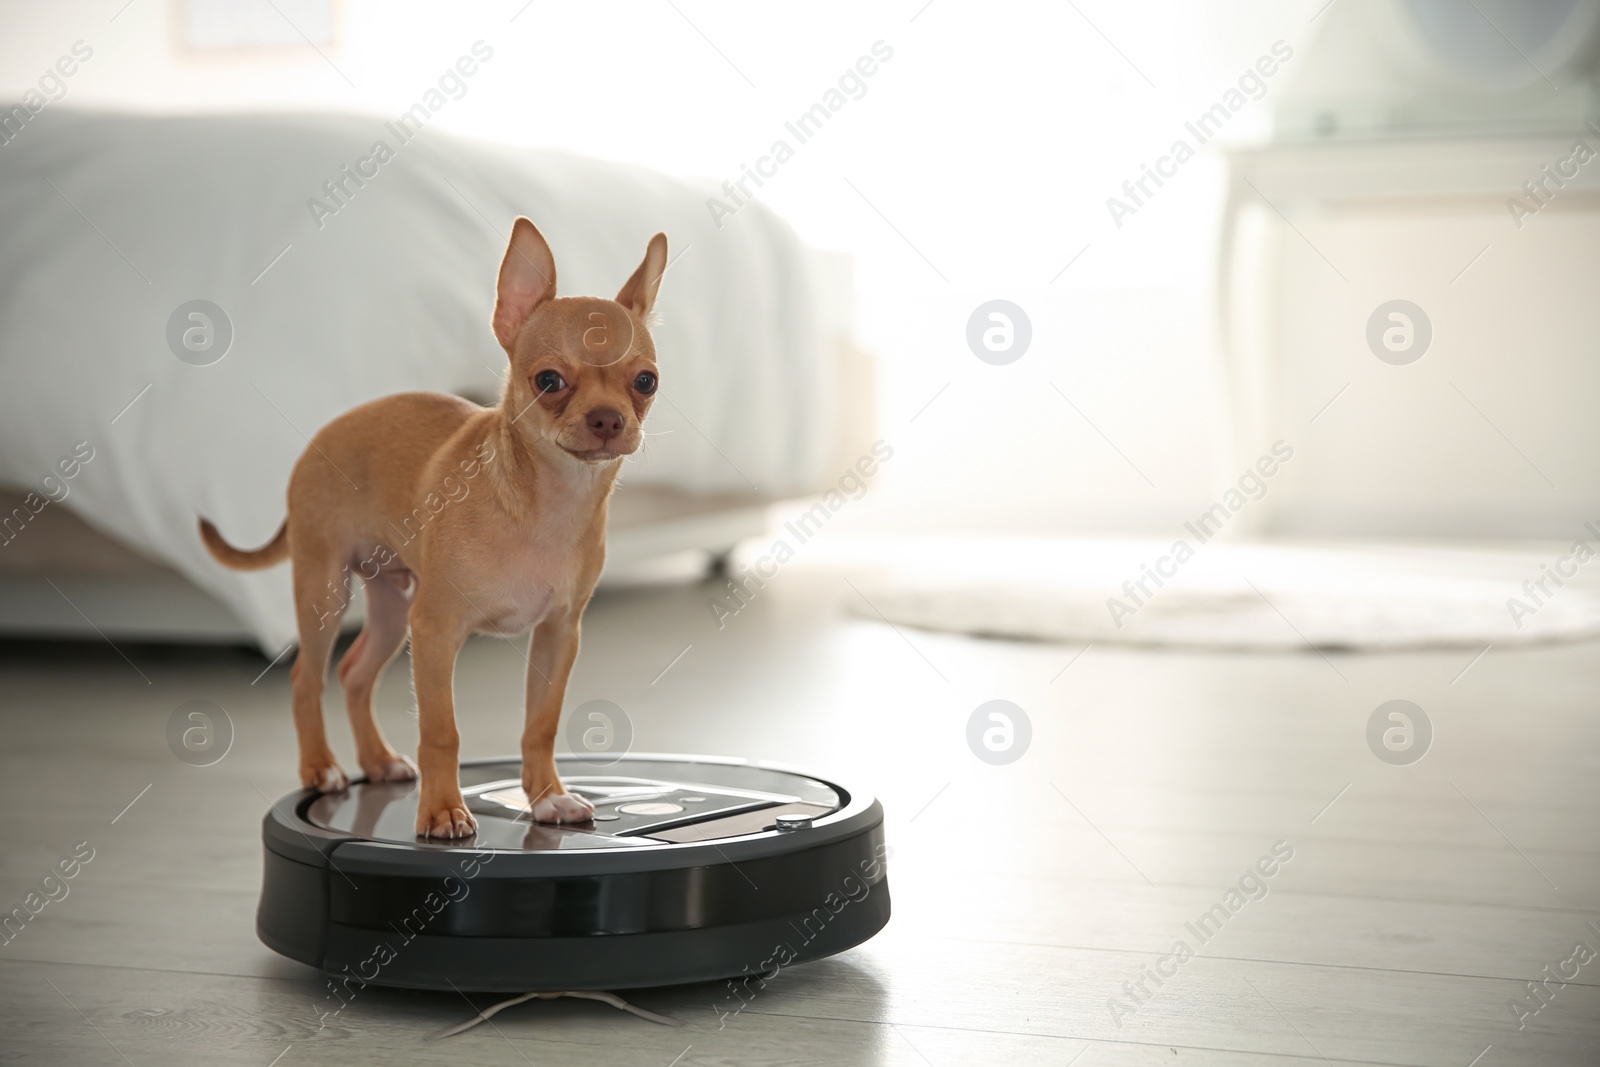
{"type": "Point", "coordinates": [466, 519]}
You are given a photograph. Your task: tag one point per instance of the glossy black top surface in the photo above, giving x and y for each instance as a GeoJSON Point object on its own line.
{"type": "Point", "coordinates": [640, 802]}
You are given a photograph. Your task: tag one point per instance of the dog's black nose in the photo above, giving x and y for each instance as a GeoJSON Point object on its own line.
{"type": "Point", "coordinates": [605, 422]}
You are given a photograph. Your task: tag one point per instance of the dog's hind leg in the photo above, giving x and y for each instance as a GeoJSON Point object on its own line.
{"type": "Point", "coordinates": [321, 594]}
{"type": "Point", "coordinates": [362, 666]}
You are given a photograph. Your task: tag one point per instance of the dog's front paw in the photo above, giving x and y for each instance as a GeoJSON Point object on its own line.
{"type": "Point", "coordinates": [447, 819]}
{"type": "Point", "coordinates": [562, 807]}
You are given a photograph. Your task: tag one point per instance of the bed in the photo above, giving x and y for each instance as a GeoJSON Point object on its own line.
{"type": "Point", "coordinates": [324, 278]}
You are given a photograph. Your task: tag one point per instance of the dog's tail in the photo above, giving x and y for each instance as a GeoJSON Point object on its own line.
{"type": "Point", "coordinates": [273, 552]}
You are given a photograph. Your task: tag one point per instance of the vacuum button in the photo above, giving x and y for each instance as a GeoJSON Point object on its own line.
{"type": "Point", "coordinates": [654, 807]}
{"type": "Point", "coordinates": [795, 822]}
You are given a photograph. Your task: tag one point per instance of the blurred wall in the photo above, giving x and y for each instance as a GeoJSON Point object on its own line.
{"type": "Point", "coordinates": [980, 162]}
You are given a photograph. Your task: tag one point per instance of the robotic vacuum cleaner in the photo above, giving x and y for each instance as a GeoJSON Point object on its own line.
{"type": "Point", "coordinates": [693, 869]}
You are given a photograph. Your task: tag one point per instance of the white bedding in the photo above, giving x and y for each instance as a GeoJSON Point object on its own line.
{"type": "Point", "coordinates": [111, 222]}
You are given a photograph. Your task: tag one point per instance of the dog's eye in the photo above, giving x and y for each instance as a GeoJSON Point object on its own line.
{"type": "Point", "coordinates": [645, 383]}
{"type": "Point", "coordinates": [548, 381]}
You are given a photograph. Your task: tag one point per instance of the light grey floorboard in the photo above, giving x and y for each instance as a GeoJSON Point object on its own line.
{"type": "Point", "coordinates": [1417, 904]}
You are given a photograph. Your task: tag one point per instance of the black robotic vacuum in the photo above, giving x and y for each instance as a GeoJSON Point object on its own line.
{"type": "Point", "coordinates": [694, 869]}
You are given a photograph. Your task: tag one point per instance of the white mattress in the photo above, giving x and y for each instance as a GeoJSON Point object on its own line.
{"type": "Point", "coordinates": [113, 221]}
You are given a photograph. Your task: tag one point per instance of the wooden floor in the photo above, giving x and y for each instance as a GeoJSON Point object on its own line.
{"type": "Point", "coordinates": [1029, 899]}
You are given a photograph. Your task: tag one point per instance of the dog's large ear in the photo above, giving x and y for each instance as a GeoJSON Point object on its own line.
{"type": "Point", "coordinates": [527, 279]}
{"type": "Point", "coordinates": [639, 294]}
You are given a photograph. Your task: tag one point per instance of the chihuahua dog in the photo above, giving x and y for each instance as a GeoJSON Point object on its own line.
{"type": "Point", "coordinates": [465, 519]}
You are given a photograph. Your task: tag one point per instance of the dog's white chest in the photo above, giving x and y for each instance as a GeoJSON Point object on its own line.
{"type": "Point", "coordinates": [521, 618]}
{"type": "Point", "coordinates": [537, 582]}
{"type": "Point", "coordinates": [542, 571]}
